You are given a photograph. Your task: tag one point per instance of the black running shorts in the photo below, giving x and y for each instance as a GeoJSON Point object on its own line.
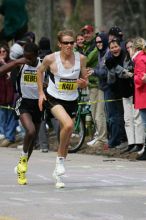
{"type": "Point", "coordinates": [69, 106]}
{"type": "Point", "coordinates": [30, 106]}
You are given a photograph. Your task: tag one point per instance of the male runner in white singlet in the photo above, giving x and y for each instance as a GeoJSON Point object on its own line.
{"type": "Point", "coordinates": [68, 72]}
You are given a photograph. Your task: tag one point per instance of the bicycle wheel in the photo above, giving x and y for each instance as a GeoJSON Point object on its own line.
{"type": "Point", "coordinates": [78, 136]}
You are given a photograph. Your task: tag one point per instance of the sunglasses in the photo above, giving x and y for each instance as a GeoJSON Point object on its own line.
{"type": "Point", "coordinates": [86, 32]}
{"type": "Point", "coordinates": [2, 51]}
{"type": "Point", "coordinates": [67, 42]}
{"type": "Point", "coordinates": [99, 42]}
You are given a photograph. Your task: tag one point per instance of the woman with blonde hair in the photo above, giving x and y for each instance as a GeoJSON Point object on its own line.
{"type": "Point", "coordinates": [133, 122]}
{"type": "Point", "coordinates": [139, 59]}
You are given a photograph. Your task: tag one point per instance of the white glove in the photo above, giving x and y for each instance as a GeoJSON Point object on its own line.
{"type": "Point", "coordinates": [127, 74]}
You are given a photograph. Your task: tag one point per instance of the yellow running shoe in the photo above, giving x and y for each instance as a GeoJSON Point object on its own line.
{"type": "Point", "coordinates": [21, 178]}
{"type": "Point", "coordinates": [21, 170]}
{"type": "Point", "coordinates": [22, 165]}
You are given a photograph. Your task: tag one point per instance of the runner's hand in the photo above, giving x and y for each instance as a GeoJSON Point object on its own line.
{"type": "Point", "coordinates": [82, 83]}
{"type": "Point", "coordinates": [42, 98]}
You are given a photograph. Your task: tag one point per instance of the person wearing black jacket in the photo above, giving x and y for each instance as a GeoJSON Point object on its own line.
{"type": "Point", "coordinates": [114, 93]}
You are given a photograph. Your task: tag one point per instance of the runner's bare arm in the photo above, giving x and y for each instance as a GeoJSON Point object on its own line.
{"type": "Point", "coordinates": [11, 65]}
{"type": "Point", "coordinates": [40, 75]}
{"type": "Point", "coordinates": [83, 80]}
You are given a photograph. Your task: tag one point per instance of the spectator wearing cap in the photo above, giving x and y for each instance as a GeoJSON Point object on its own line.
{"type": "Point", "coordinates": [91, 52]}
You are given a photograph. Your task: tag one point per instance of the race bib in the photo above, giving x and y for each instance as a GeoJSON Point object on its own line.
{"type": "Point", "coordinates": [67, 85]}
{"type": "Point", "coordinates": [30, 77]}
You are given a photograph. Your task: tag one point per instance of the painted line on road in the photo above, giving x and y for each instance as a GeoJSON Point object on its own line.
{"type": "Point", "coordinates": [6, 218]}
{"type": "Point", "coordinates": [20, 199]}
{"type": "Point", "coordinates": [44, 177]}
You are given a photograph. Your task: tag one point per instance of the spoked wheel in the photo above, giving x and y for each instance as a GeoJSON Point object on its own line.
{"type": "Point", "coordinates": [78, 136]}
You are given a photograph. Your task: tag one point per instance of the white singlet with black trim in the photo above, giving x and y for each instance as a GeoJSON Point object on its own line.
{"type": "Point", "coordinates": [28, 82]}
{"type": "Point", "coordinates": [62, 85]}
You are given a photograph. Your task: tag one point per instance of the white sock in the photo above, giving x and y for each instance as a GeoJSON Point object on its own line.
{"type": "Point", "coordinates": [59, 159]}
{"type": "Point", "coordinates": [24, 154]}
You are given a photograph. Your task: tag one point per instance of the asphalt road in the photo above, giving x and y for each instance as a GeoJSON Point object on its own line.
{"type": "Point", "coordinates": [97, 188]}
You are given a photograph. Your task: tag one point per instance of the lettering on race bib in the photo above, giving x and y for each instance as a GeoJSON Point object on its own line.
{"type": "Point", "coordinates": [67, 85]}
{"type": "Point", "coordinates": [30, 77]}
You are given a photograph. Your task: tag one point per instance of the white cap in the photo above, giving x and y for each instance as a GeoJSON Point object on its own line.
{"type": "Point", "coordinates": [16, 51]}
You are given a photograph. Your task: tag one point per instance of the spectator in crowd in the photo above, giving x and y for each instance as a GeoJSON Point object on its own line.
{"type": "Point", "coordinates": [133, 123]}
{"type": "Point", "coordinates": [17, 49]}
{"type": "Point", "coordinates": [8, 123]}
{"type": "Point", "coordinates": [30, 36]}
{"type": "Point", "coordinates": [116, 33]}
{"type": "Point", "coordinates": [116, 87]}
{"type": "Point", "coordinates": [91, 52]}
{"type": "Point", "coordinates": [139, 59]}
{"type": "Point", "coordinates": [101, 72]}
{"type": "Point", "coordinates": [79, 43]}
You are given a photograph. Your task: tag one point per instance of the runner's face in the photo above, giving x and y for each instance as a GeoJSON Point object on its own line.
{"type": "Point", "coordinates": [66, 45]}
{"type": "Point", "coordinates": [31, 58]}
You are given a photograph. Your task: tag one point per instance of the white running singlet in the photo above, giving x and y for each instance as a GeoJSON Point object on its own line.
{"type": "Point", "coordinates": [28, 82]}
{"type": "Point", "coordinates": [63, 84]}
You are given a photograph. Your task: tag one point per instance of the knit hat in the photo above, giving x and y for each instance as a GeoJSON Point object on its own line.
{"type": "Point", "coordinates": [16, 51]}
{"type": "Point", "coordinates": [115, 31]}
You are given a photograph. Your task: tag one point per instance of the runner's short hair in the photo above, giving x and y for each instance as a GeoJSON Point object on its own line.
{"type": "Point", "coordinates": [63, 33]}
{"type": "Point", "coordinates": [31, 48]}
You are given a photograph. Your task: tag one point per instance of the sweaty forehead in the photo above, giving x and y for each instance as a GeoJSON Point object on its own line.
{"type": "Point", "coordinates": [67, 38]}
